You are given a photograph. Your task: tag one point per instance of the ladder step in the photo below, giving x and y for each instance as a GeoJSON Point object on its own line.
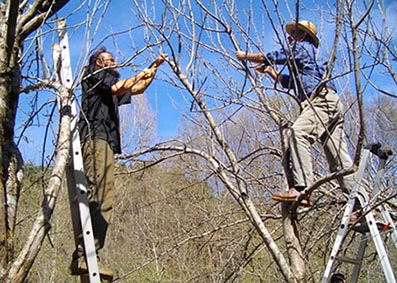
{"type": "Point", "coordinates": [354, 261]}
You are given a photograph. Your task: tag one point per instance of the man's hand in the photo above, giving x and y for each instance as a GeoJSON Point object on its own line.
{"type": "Point", "coordinates": [139, 83]}
{"type": "Point", "coordinates": [160, 59]}
{"type": "Point", "coordinates": [241, 55]}
{"type": "Point", "coordinates": [264, 69]}
{"type": "Point", "coordinates": [145, 78]}
{"type": "Point", "coordinates": [268, 70]}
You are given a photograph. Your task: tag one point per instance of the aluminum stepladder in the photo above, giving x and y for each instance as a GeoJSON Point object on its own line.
{"type": "Point", "coordinates": [76, 179]}
{"type": "Point", "coordinates": [370, 228]}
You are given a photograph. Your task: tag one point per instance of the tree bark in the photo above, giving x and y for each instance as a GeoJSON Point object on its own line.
{"type": "Point", "coordinates": [42, 225]}
{"type": "Point", "coordinates": [9, 82]}
{"type": "Point", "coordinates": [17, 20]}
{"type": "Point", "coordinates": [291, 236]}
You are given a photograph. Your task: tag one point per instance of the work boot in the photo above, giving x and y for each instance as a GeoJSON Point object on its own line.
{"type": "Point", "coordinates": [308, 201]}
{"type": "Point", "coordinates": [286, 196]}
{"type": "Point", "coordinates": [79, 267]}
{"type": "Point", "coordinates": [105, 272]}
{"type": "Point", "coordinates": [291, 195]}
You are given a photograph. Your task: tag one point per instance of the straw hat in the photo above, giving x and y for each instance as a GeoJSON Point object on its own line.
{"type": "Point", "coordinates": [305, 26]}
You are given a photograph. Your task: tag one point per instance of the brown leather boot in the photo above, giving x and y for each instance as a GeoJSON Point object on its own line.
{"type": "Point", "coordinates": [79, 267]}
{"type": "Point", "coordinates": [105, 272]}
{"type": "Point", "coordinates": [291, 195]}
{"type": "Point", "coordinates": [308, 201]}
{"type": "Point", "coordinates": [286, 196]}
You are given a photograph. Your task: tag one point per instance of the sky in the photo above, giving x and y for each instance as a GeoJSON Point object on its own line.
{"type": "Point", "coordinates": [161, 99]}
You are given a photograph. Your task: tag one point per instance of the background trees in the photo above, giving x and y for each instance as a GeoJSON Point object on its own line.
{"type": "Point", "coordinates": [194, 207]}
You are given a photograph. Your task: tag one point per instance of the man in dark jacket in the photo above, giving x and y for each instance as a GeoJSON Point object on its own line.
{"type": "Point", "coordinates": [99, 126]}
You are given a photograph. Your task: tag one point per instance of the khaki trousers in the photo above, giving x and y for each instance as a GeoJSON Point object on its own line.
{"type": "Point", "coordinates": [98, 160]}
{"type": "Point", "coordinates": [321, 120]}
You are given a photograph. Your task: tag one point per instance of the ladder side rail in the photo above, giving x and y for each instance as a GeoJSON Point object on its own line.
{"type": "Point", "coordinates": [74, 209]}
{"type": "Point", "coordinates": [85, 216]}
{"type": "Point", "coordinates": [383, 157]}
{"type": "Point", "coordinates": [376, 237]}
{"type": "Point", "coordinates": [79, 175]}
{"type": "Point", "coordinates": [389, 221]}
{"type": "Point", "coordinates": [378, 178]}
{"type": "Point", "coordinates": [380, 248]}
{"type": "Point", "coordinates": [71, 182]}
{"type": "Point", "coordinates": [343, 228]}
{"type": "Point", "coordinates": [342, 231]}
{"type": "Point", "coordinates": [367, 205]}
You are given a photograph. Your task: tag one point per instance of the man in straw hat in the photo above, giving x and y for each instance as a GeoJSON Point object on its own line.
{"type": "Point", "coordinates": [321, 118]}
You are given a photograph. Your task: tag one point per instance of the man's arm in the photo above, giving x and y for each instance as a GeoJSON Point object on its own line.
{"type": "Point", "coordinates": [272, 72]}
{"type": "Point", "coordinates": [253, 57]}
{"type": "Point", "coordinates": [123, 86]}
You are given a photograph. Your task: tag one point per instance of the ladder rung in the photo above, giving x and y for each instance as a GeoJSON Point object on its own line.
{"type": "Point", "coordinates": [354, 261]}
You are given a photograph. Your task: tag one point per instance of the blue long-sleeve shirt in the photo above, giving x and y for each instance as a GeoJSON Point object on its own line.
{"type": "Point", "coordinates": [309, 72]}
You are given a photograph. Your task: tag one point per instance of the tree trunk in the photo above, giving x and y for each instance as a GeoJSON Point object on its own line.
{"type": "Point", "coordinates": [17, 21]}
{"type": "Point", "coordinates": [42, 225]}
{"type": "Point", "coordinates": [10, 157]}
{"type": "Point", "coordinates": [291, 236]}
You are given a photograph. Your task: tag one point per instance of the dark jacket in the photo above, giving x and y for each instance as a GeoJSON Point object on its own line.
{"type": "Point", "coordinates": [99, 115]}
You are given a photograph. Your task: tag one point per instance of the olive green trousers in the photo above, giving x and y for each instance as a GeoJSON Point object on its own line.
{"type": "Point", "coordinates": [98, 160]}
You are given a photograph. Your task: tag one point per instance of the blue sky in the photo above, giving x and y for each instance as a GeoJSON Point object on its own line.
{"type": "Point", "coordinates": [166, 102]}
